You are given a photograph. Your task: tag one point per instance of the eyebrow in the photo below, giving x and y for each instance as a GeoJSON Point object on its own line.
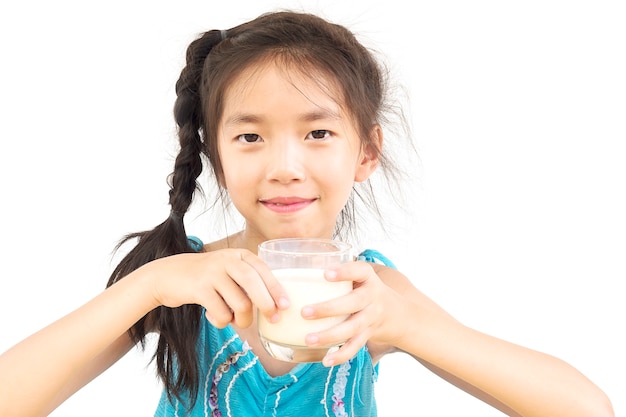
{"type": "Point", "coordinates": [322, 114]}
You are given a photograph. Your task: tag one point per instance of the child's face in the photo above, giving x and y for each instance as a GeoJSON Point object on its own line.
{"type": "Point", "coordinates": [289, 153]}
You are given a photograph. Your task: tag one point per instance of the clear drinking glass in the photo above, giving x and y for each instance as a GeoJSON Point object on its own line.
{"type": "Point", "coordinates": [299, 264]}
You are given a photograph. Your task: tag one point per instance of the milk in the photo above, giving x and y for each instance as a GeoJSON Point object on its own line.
{"type": "Point", "coordinates": [304, 287]}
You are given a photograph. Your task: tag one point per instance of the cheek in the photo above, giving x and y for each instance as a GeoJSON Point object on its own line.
{"type": "Point", "coordinates": [238, 176]}
{"type": "Point", "coordinates": [230, 180]}
{"type": "Point", "coordinates": [239, 190]}
{"type": "Point", "coordinates": [338, 180]}
{"type": "Point", "coordinates": [338, 167]}
{"type": "Point", "coordinates": [231, 169]}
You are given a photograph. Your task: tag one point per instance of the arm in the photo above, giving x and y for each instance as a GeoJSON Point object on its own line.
{"type": "Point", "coordinates": [389, 313]}
{"type": "Point", "coordinates": [517, 380]}
{"type": "Point", "coordinates": [42, 371]}
{"type": "Point", "coordinates": [39, 373]}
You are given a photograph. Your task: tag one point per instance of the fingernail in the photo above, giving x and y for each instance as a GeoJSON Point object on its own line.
{"type": "Point", "coordinates": [312, 340]}
{"type": "Point", "coordinates": [275, 318]}
{"type": "Point", "coordinates": [330, 274]}
{"type": "Point", "coordinates": [283, 303]}
{"type": "Point", "coordinates": [307, 312]}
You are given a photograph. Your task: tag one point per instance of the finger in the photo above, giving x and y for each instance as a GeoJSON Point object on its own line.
{"type": "Point", "coordinates": [363, 294]}
{"type": "Point", "coordinates": [217, 312]}
{"type": "Point", "coordinates": [237, 301]}
{"type": "Point", "coordinates": [353, 331]}
{"type": "Point", "coordinates": [276, 291]}
{"type": "Point", "coordinates": [351, 327]}
{"type": "Point", "coordinates": [244, 276]}
{"type": "Point", "coordinates": [358, 272]}
{"type": "Point", "coordinates": [221, 321]}
{"type": "Point", "coordinates": [254, 277]}
{"type": "Point", "coordinates": [356, 300]}
{"type": "Point", "coordinates": [345, 352]}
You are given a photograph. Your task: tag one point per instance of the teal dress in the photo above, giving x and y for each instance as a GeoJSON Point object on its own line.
{"type": "Point", "coordinates": [236, 384]}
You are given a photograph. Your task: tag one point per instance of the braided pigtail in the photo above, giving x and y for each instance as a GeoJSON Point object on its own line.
{"type": "Point", "coordinates": [178, 328]}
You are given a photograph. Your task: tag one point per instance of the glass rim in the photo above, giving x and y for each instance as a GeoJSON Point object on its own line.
{"type": "Point", "coordinates": [341, 247]}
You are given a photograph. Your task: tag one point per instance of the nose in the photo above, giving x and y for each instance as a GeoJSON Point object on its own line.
{"type": "Point", "coordinates": [284, 163]}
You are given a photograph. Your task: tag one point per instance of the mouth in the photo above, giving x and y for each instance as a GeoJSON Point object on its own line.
{"type": "Point", "coordinates": [287, 204]}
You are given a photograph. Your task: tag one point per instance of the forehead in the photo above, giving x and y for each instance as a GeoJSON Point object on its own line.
{"type": "Point", "coordinates": [271, 78]}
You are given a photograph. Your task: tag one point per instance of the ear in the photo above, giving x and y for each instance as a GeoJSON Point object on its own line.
{"type": "Point", "coordinates": [368, 158]}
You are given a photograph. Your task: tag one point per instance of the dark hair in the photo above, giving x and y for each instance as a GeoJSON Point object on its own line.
{"type": "Point", "coordinates": [301, 42]}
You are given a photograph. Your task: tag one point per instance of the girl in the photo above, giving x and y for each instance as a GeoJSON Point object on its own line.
{"type": "Point", "coordinates": [288, 111]}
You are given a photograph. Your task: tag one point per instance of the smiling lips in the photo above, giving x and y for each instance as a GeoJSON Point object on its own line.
{"type": "Point", "coordinates": [286, 204]}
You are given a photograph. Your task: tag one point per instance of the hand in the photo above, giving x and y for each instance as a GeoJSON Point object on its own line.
{"type": "Point", "coordinates": [229, 283]}
{"type": "Point", "coordinates": [369, 306]}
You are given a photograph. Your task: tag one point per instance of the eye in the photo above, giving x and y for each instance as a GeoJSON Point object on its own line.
{"type": "Point", "coordinates": [318, 134]}
{"type": "Point", "coordinates": [249, 138]}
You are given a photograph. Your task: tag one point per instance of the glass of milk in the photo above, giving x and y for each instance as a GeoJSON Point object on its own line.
{"type": "Point", "coordinates": [299, 264]}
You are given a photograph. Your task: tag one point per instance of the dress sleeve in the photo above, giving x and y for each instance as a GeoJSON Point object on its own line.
{"type": "Point", "coordinates": [373, 256]}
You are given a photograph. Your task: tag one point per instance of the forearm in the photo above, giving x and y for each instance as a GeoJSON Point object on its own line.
{"type": "Point", "coordinates": [526, 381]}
{"type": "Point", "coordinates": [37, 374]}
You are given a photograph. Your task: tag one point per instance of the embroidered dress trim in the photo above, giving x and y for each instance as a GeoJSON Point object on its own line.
{"type": "Point", "coordinates": [222, 369]}
{"type": "Point", "coordinates": [339, 389]}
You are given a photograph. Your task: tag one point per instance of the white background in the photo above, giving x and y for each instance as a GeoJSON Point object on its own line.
{"type": "Point", "coordinates": [518, 224]}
